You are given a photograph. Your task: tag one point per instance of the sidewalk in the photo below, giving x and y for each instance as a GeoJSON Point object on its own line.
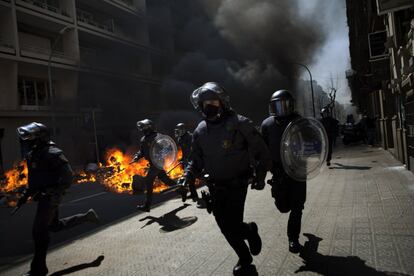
{"type": "Point", "coordinates": [359, 217]}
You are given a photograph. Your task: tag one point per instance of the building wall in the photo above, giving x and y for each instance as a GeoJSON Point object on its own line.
{"type": "Point", "coordinates": [392, 90]}
{"type": "Point", "coordinates": [119, 52]}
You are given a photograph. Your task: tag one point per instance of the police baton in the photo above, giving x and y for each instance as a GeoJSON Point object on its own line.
{"type": "Point", "coordinates": [179, 163]}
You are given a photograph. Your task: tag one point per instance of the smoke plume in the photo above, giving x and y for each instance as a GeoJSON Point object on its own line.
{"type": "Point", "coordinates": [246, 45]}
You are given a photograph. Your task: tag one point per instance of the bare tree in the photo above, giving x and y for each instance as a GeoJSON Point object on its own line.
{"type": "Point", "coordinates": [333, 87]}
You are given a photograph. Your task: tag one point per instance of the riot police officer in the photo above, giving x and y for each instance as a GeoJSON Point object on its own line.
{"type": "Point", "coordinates": [49, 175]}
{"type": "Point", "coordinates": [225, 145]}
{"type": "Point", "coordinates": [146, 126]}
{"type": "Point", "coordinates": [184, 138]}
{"type": "Point", "coordinates": [331, 127]}
{"type": "Point", "coordinates": [289, 194]}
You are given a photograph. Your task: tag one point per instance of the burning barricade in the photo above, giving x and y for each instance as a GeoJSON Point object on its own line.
{"type": "Point", "coordinates": [119, 175]}
{"type": "Point", "coordinates": [12, 183]}
{"type": "Point", "coordinates": [116, 174]}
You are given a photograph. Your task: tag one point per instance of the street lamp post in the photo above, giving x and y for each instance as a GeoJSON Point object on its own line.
{"type": "Point", "coordinates": [311, 85]}
{"type": "Point", "coordinates": [49, 74]}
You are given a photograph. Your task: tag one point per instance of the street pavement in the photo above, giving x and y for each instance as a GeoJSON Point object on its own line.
{"type": "Point", "coordinates": [358, 220]}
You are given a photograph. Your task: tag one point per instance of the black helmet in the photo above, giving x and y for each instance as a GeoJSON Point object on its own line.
{"type": "Point", "coordinates": [180, 130]}
{"type": "Point", "coordinates": [281, 104]}
{"type": "Point", "coordinates": [210, 91]}
{"type": "Point", "coordinates": [34, 134]}
{"type": "Point", "coordinates": [325, 112]}
{"type": "Point", "coordinates": [146, 126]}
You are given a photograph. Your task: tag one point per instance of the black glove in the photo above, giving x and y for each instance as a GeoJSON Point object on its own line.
{"type": "Point", "coordinates": [259, 180]}
{"type": "Point", "coordinates": [22, 200]}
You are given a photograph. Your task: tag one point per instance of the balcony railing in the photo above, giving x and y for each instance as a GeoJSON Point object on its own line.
{"type": "Point", "coordinates": [7, 46]}
{"type": "Point", "coordinates": [104, 25]}
{"type": "Point", "coordinates": [88, 18]}
{"type": "Point", "coordinates": [128, 3]}
{"type": "Point", "coordinates": [44, 5]}
{"type": "Point", "coordinates": [44, 53]}
{"type": "Point", "coordinates": [6, 43]}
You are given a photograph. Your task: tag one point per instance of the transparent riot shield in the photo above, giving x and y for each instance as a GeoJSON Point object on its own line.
{"type": "Point", "coordinates": [304, 148]}
{"type": "Point", "coordinates": [163, 151]}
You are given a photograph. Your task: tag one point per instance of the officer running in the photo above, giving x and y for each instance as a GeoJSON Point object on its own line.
{"type": "Point", "coordinates": [146, 126]}
{"type": "Point", "coordinates": [225, 146]}
{"type": "Point", "coordinates": [289, 194]}
{"type": "Point", "coordinates": [49, 176]}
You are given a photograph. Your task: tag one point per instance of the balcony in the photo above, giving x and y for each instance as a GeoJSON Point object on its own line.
{"type": "Point", "coordinates": [43, 7]}
{"type": "Point", "coordinates": [109, 26]}
{"type": "Point", "coordinates": [7, 46]}
{"type": "Point", "coordinates": [116, 8]}
{"type": "Point", "coordinates": [106, 25]}
{"type": "Point", "coordinates": [38, 52]}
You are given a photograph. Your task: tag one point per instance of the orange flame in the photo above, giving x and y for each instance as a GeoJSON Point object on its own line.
{"type": "Point", "coordinates": [116, 175]}
{"type": "Point", "coordinates": [14, 178]}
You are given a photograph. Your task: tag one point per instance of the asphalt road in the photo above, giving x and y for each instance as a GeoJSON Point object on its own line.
{"type": "Point", "coordinates": [15, 231]}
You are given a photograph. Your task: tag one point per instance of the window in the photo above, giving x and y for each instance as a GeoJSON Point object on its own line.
{"type": "Point", "coordinates": [33, 92]}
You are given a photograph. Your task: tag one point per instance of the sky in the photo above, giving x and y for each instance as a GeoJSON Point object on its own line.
{"type": "Point", "coordinates": [333, 57]}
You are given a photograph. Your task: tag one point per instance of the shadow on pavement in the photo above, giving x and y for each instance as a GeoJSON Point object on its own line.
{"type": "Point", "coordinates": [170, 221]}
{"type": "Point", "coordinates": [75, 268]}
{"type": "Point", "coordinates": [334, 265]}
{"type": "Point", "coordinates": [345, 167]}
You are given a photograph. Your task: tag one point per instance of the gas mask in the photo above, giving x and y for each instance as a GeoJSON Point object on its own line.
{"type": "Point", "coordinates": [212, 112]}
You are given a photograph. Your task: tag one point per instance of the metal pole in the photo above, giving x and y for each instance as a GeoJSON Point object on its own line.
{"type": "Point", "coordinates": [311, 85]}
{"type": "Point", "coordinates": [49, 75]}
{"type": "Point", "coordinates": [96, 137]}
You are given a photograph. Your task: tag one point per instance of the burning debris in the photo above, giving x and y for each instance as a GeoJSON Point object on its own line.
{"type": "Point", "coordinates": [13, 182]}
{"type": "Point", "coordinates": [117, 175]}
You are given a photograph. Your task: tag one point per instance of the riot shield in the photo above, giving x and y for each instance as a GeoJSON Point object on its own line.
{"type": "Point", "coordinates": [304, 148]}
{"type": "Point", "coordinates": [163, 151]}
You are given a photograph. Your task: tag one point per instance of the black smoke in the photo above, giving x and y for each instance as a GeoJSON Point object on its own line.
{"type": "Point", "coordinates": [246, 45]}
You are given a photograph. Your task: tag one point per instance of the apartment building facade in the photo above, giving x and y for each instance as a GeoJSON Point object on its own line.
{"type": "Point", "coordinates": [66, 63]}
{"type": "Point", "coordinates": [381, 79]}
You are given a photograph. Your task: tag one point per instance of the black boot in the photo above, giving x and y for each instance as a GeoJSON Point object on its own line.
{"type": "Point", "coordinates": [255, 242]}
{"type": "Point", "coordinates": [294, 246]}
{"type": "Point", "coordinates": [194, 197]}
{"type": "Point", "coordinates": [144, 207]}
{"type": "Point", "coordinates": [244, 267]}
{"type": "Point", "coordinates": [30, 273]}
{"type": "Point", "coordinates": [36, 273]}
{"type": "Point", "coordinates": [91, 216]}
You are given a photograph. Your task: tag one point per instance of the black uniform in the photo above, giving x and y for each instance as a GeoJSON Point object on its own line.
{"type": "Point", "coordinates": [153, 171]}
{"type": "Point", "coordinates": [289, 194]}
{"type": "Point", "coordinates": [331, 126]}
{"type": "Point", "coordinates": [184, 141]}
{"type": "Point", "coordinates": [49, 175]}
{"type": "Point", "coordinates": [223, 150]}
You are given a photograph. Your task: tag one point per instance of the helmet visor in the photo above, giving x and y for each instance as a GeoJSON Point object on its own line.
{"type": "Point", "coordinates": [28, 132]}
{"type": "Point", "coordinates": [281, 107]}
